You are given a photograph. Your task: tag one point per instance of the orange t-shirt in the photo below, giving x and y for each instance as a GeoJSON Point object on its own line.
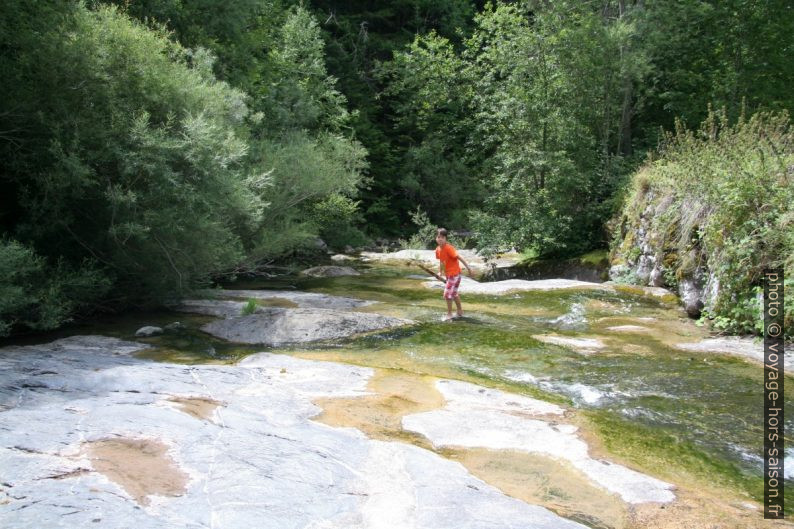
{"type": "Point", "coordinates": [449, 256]}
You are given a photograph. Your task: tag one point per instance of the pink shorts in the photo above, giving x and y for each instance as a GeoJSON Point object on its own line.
{"type": "Point", "coordinates": [451, 288]}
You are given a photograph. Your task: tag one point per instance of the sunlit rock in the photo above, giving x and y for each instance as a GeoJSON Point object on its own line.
{"type": "Point", "coordinates": [485, 418]}
{"type": "Point", "coordinates": [628, 328]}
{"type": "Point", "coordinates": [580, 345]}
{"type": "Point", "coordinates": [745, 347]}
{"type": "Point", "coordinates": [277, 326]}
{"type": "Point", "coordinates": [470, 286]}
{"type": "Point", "coordinates": [148, 330]}
{"type": "Point", "coordinates": [75, 409]}
{"type": "Point", "coordinates": [428, 258]}
{"type": "Point", "coordinates": [291, 297]}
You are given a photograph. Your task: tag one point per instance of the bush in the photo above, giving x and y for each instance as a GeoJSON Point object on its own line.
{"type": "Point", "coordinates": [311, 176]}
{"type": "Point", "coordinates": [723, 198]}
{"type": "Point", "coordinates": [128, 151]}
{"type": "Point", "coordinates": [35, 296]}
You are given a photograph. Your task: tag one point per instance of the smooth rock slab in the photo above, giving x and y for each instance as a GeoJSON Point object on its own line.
{"type": "Point", "coordinates": [477, 417]}
{"type": "Point", "coordinates": [428, 257]}
{"type": "Point", "coordinates": [260, 462]}
{"type": "Point", "coordinates": [470, 286]}
{"type": "Point", "coordinates": [301, 299]}
{"type": "Point", "coordinates": [745, 347]}
{"type": "Point", "coordinates": [628, 328]}
{"type": "Point", "coordinates": [276, 326]}
{"type": "Point", "coordinates": [580, 345]}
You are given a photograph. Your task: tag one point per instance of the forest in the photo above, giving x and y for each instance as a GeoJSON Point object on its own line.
{"type": "Point", "coordinates": [152, 147]}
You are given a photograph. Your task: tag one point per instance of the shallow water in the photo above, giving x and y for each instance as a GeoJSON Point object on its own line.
{"type": "Point", "coordinates": [675, 413]}
{"type": "Point", "coordinates": [693, 419]}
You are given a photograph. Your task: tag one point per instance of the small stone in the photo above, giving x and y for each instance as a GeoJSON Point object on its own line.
{"type": "Point", "coordinates": [176, 326]}
{"type": "Point", "coordinates": [148, 330]}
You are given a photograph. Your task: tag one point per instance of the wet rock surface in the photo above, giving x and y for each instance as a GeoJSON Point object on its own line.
{"type": "Point", "coordinates": [744, 347]}
{"type": "Point", "coordinates": [299, 299]}
{"type": "Point", "coordinates": [470, 286]}
{"type": "Point", "coordinates": [276, 326]}
{"type": "Point", "coordinates": [256, 461]}
{"type": "Point", "coordinates": [474, 417]}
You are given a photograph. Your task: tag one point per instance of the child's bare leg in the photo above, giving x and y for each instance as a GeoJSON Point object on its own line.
{"type": "Point", "coordinates": [449, 308]}
{"type": "Point", "coordinates": [457, 304]}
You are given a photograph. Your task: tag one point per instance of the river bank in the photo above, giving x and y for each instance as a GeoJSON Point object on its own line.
{"type": "Point", "coordinates": [594, 371]}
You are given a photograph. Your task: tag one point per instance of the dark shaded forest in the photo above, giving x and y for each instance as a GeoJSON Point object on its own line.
{"type": "Point", "coordinates": [151, 147]}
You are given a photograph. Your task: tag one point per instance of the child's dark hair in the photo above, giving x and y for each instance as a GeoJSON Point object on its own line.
{"type": "Point", "coordinates": [442, 232]}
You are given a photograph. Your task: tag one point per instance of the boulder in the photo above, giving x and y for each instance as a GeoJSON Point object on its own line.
{"type": "Point", "coordinates": [656, 279]}
{"type": "Point", "coordinates": [148, 330]}
{"type": "Point", "coordinates": [690, 290]}
{"type": "Point", "coordinates": [225, 308]}
{"type": "Point", "coordinates": [278, 326]}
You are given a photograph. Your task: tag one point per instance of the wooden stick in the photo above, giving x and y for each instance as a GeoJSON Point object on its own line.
{"type": "Point", "coordinates": [426, 269]}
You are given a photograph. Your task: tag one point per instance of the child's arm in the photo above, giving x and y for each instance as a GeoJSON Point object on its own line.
{"type": "Point", "coordinates": [441, 270]}
{"type": "Point", "coordinates": [465, 264]}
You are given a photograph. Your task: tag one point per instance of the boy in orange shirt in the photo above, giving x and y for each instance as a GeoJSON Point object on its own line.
{"type": "Point", "coordinates": [448, 257]}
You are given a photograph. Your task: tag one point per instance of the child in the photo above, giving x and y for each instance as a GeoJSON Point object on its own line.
{"type": "Point", "coordinates": [449, 266]}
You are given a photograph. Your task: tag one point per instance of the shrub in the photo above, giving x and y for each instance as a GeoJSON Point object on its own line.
{"type": "Point", "coordinates": [729, 204]}
{"type": "Point", "coordinates": [129, 151]}
{"type": "Point", "coordinates": [35, 296]}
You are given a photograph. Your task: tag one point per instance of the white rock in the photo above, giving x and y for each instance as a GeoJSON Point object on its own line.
{"type": "Point", "coordinates": [277, 326]}
{"type": "Point", "coordinates": [148, 330]}
{"type": "Point", "coordinates": [311, 300]}
{"type": "Point", "coordinates": [260, 463]}
{"type": "Point", "coordinates": [428, 257]}
{"type": "Point", "coordinates": [628, 328]}
{"type": "Point", "coordinates": [580, 345]}
{"type": "Point", "coordinates": [745, 347]}
{"type": "Point", "coordinates": [489, 420]}
{"type": "Point", "coordinates": [470, 286]}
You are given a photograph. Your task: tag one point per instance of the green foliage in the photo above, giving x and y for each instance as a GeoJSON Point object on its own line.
{"type": "Point", "coordinates": [361, 37]}
{"type": "Point", "coordinates": [34, 296]}
{"type": "Point", "coordinates": [728, 192]}
{"type": "Point", "coordinates": [249, 308]}
{"type": "Point", "coordinates": [426, 231]}
{"type": "Point", "coordinates": [425, 235]}
{"type": "Point", "coordinates": [730, 54]}
{"type": "Point", "coordinates": [309, 176]}
{"type": "Point", "coordinates": [336, 218]}
{"type": "Point", "coordinates": [548, 104]}
{"type": "Point", "coordinates": [301, 95]}
{"type": "Point", "coordinates": [125, 153]}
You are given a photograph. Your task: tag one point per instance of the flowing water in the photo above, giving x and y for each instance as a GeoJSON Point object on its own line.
{"type": "Point", "coordinates": [692, 419]}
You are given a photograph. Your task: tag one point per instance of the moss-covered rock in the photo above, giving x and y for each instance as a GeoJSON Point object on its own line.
{"type": "Point", "coordinates": [709, 215]}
